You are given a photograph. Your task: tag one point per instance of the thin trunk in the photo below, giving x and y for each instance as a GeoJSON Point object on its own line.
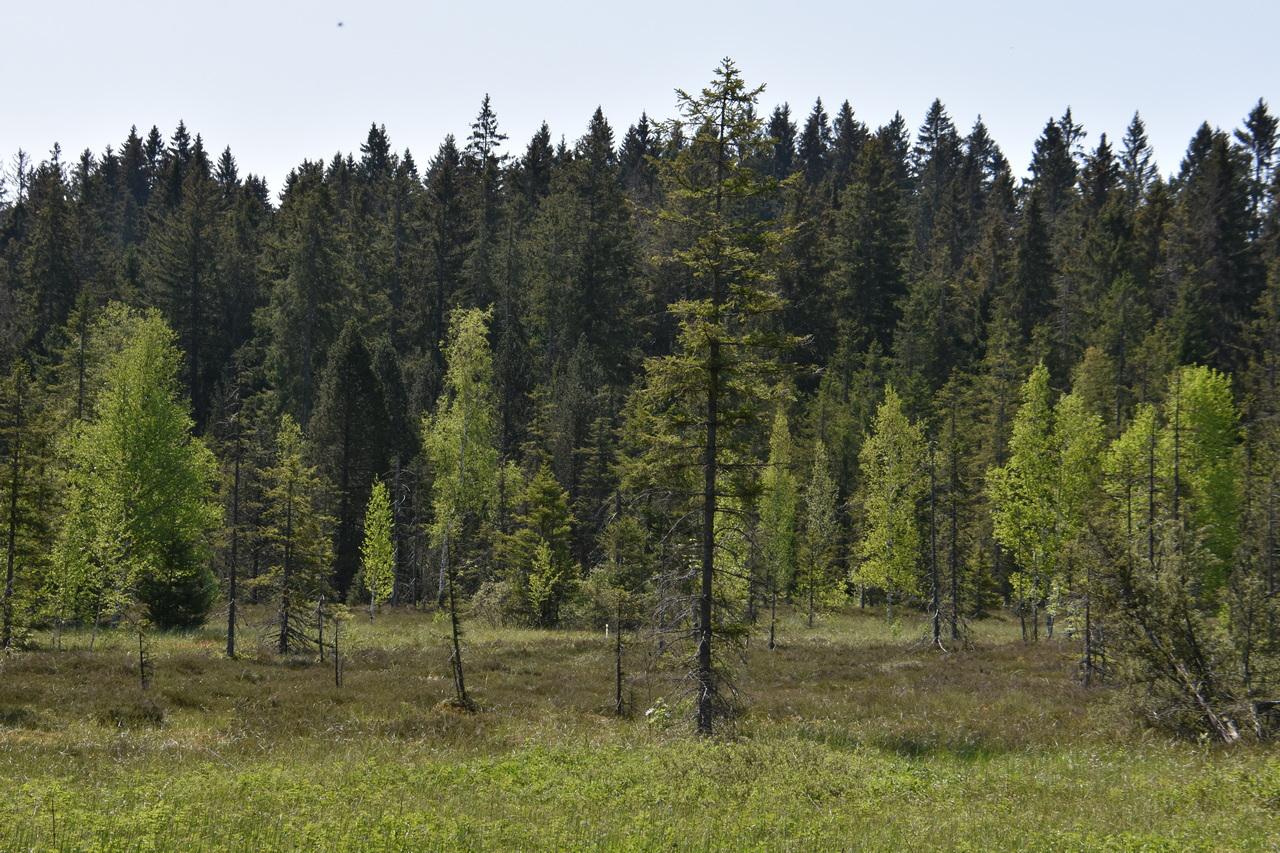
{"type": "Point", "coordinates": [1151, 500]}
{"type": "Point", "coordinates": [953, 558]}
{"type": "Point", "coordinates": [1088, 625]}
{"type": "Point", "coordinates": [618, 705]}
{"type": "Point", "coordinates": [705, 676]}
{"type": "Point", "coordinates": [15, 485]}
{"type": "Point", "coordinates": [459, 683]}
{"type": "Point", "coordinates": [936, 603]}
{"type": "Point", "coordinates": [773, 616]}
{"type": "Point", "coordinates": [232, 568]}
{"type": "Point", "coordinates": [286, 572]}
{"type": "Point", "coordinates": [320, 626]}
{"type": "Point", "coordinates": [462, 472]}
{"type": "Point", "coordinates": [706, 685]}
{"type": "Point", "coordinates": [337, 654]}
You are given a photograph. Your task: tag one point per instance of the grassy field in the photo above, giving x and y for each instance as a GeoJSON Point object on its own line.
{"type": "Point", "coordinates": [856, 736]}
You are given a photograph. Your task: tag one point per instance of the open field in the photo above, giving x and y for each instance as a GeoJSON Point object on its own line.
{"type": "Point", "coordinates": [856, 736]}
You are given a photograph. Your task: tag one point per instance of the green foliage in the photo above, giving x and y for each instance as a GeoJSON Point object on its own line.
{"type": "Point", "coordinates": [1200, 464]}
{"type": "Point", "coordinates": [779, 507]}
{"type": "Point", "coordinates": [298, 532]}
{"type": "Point", "coordinates": [141, 511]}
{"type": "Point", "coordinates": [1024, 492]}
{"type": "Point", "coordinates": [893, 460]}
{"type": "Point", "coordinates": [377, 552]}
{"type": "Point", "coordinates": [460, 437]}
{"type": "Point", "coordinates": [818, 580]}
{"type": "Point", "coordinates": [536, 556]}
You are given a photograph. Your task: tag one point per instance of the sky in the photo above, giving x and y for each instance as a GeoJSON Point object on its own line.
{"type": "Point", "coordinates": [284, 80]}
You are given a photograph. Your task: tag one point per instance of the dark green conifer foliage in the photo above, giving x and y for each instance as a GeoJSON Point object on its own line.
{"type": "Point", "coordinates": [782, 130]}
{"type": "Point", "coordinates": [351, 436]}
{"type": "Point", "coordinates": [867, 266]}
{"type": "Point", "coordinates": [814, 144]}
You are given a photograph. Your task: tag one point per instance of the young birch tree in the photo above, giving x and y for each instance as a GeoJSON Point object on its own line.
{"type": "Point", "coordinates": [377, 552]}
{"type": "Point", "coordinates": [821, 530]}
{"type": "Point", "coordinates": [778, 511]}
{"type": "Point", "coordinates": [1024, 498]}
{"type": "Point", "coordinates": [895, 477]}
{"type": "Point", "coordinates": [461, 443]}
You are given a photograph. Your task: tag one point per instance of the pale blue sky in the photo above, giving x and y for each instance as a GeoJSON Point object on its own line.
{"type": "Point", "coordinates": [279, 80]}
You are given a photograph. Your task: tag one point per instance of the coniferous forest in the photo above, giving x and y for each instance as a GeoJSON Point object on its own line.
{"type": "Point", "coordinates": [681, 411]}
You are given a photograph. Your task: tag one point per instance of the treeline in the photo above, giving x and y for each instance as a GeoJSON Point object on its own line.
{"type": "Point", "coordinates": [663, 378]}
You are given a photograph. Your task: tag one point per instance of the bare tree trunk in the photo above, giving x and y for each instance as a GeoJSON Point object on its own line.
{"type": "Point", "coordinates": [459, 683]}
{"type": "Point", "coordinates": [286, 574]}
{"type": "Point", "coordinates": [234, 562]}
{"type": "Point", "coordinates": [337, 654]}
{"type": "Point", "coordinates": [936, 602]}
{"type": "Point", "coordinates": [15, 485]}
{"type": "Point", "coordinates": [619, 706]}
{"type": "Point", "coordinates": [953, 555]}
{"type": "Point", "coordinates": [320, 626]}
{"type": "Point", "coordinates": [705, 677]}
{"type": "Point", "coordinates": [773, 616]}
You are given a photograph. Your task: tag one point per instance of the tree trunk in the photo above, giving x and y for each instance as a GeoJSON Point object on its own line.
{"type": "Point", "coordinates": [286, 573]}
{"type": "Point", "coordinates": [232, 567]}
{"type": "Point", "coordinates": [705, 677]}
{"type": "Point", "coordinates": [953, 554]}
{"type": "Point", "coordinates": [15, 484]}
{"type": "Point", "coordinates": [618, 705]}
{"type": "Point", "coordinates": [936, 602]}
{"type": "Point", "coordinates": [459, 682]}
{"type": "Point", "coordinates": [773, 616]}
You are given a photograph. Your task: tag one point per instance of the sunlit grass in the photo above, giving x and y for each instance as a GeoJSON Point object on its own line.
{"type": "Point", "coordinates": [854, 734]}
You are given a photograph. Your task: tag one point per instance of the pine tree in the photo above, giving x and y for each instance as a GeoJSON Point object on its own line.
{"type": "Point", "coordinates": [814, 143]}
{"type": "Point", "coordinates": [306, 269]}
{"type": "Point", "coordinates": [1136, 162]}
{"type": "Point", "coordinates": [868, 266]}
{"type": "Point", "coordinates": [782, 131]}
{"type": "Point", "coordinates": [538, 562]}
{"type": "Point", "coordinates": [351, 436]}
{"type": "Point", "coordinates": [180, 275]}
{"type": "Point", "coordinates": [26, 497]}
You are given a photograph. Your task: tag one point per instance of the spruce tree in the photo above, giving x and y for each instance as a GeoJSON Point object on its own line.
{"type": "Point", "coordinates": [700, 406]}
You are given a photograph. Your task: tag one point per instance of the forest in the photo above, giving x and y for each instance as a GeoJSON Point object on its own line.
{"type": "Point", "coordinates": [715, 389]}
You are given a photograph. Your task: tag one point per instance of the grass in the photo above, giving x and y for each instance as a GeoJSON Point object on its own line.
{"type": "Point", "coordinates": [855, 736]}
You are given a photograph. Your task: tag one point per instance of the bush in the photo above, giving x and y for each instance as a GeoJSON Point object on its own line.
{"type": "Point", "coordinates": [497, 604]}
